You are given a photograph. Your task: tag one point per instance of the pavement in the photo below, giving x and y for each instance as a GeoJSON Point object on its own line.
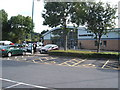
{"type": "Point", "coordinates": [48, 72]}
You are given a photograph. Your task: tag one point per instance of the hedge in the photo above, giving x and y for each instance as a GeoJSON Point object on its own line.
{"type": "Point", "coordinates": [85, 54]}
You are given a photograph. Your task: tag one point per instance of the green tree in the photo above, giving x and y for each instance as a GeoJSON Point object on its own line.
{"type": "Point", "coordinates": [57, 14]}
{"type": "Point", "coordinates": [4, 23]}
{"type": "Point", "coordinates": [36, 37]}
{"type": "Point", "coordinates": [98, 17]}
{"type": "Point", "coordinates": [78, 13]}
{"type": "Point", "coordinates": [20, 28]}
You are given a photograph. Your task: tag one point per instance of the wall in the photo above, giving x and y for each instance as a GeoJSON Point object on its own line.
{"type": "Point", "coordinates": [112, 44]}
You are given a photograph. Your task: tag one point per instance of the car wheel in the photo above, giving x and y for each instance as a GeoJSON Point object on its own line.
{"type": "Point", "coordinates": [9, 54]}
{"type": "Point", "coordinates": [23, 53]}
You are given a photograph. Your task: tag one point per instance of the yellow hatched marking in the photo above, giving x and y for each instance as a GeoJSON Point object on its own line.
{"type": "Point", "coordinates": [53, 58]}
{"type": "Point", "coordinates": [78, 62]}
{"type": "Point", "coordinates": [52, 62]}
{"type": "Point", "coordinates": [71, 61]}
{"type": "Point", "coordinates": [88, 65]}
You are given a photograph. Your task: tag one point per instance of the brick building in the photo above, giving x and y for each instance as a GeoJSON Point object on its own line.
{"type": "Point", "coordinates": [83, 39]}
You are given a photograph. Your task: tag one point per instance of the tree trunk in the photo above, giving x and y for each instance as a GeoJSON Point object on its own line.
{"type": "Point", "coordinates": [65, 46]}
{"type": "Point", "coordinates": [65, 33]}
{"type": "Point", "coordinates": [99, 44]}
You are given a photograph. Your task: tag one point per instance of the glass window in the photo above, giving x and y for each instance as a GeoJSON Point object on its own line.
{"type": "Point", "coordinates": [105, 43]}
{"type": "Point", "coordinates": [95, 43]}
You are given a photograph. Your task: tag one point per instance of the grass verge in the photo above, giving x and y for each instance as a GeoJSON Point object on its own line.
{"type": "Point", "coordinates": [85, 54]}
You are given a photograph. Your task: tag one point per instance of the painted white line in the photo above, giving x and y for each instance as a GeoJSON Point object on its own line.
{"type": "Point", "coordinates": [18, 83]}
{"type": "Point", "coordinates": [105, 64]}
{"type": "Point", "coordinates": [13, 85]}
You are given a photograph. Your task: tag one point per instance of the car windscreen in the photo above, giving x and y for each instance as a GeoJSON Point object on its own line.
{"type": "Point", "coordinates": [47, 46]}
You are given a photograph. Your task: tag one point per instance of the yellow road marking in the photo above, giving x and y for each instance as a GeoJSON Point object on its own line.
{"type": "Point", "coordinates": [78, 62]}
{"type": "Point", "coordinates": [52, 62]}
{"type": "Point", "coordinates": [72, 61]}
{"type": "Point", "coordinates": [53, 57]}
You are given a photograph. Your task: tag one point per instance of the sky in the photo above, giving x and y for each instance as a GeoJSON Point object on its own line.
{"type": "Point", "coordinates": [24, 7]}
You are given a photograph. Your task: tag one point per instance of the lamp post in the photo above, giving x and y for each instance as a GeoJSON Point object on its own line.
{"type": "Point", "coordinates": [32, 25]}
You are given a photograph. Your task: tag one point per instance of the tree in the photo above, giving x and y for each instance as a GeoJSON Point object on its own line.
{"type": "Point", "coordinates": [57, 14]}
{"type": "Point", "coordinates": [98, 18]}
{"type": "Point", "coordinates": [20, 28]}
{"type": "Point", "coordinates": [4, 23]}
{"type": "Point", "coordinates": [36, 37]}
{"type": "Point", "coordinates": [78, 13]}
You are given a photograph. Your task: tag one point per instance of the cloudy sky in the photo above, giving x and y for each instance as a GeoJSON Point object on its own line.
{"type": "Point", "coordinates": [24, 7]}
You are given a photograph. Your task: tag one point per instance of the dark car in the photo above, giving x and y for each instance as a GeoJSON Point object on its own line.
{"type": "Point", "coordinates": [48, 47]}
{"type": "Point", "coordinates": [11, 50]}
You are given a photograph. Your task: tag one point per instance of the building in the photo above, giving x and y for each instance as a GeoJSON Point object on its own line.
{"type": "Point", "coordinates": [81, 38]}
{"type": "Point", "coordinates": [86, 40]}
{"type": "Point", "coordinates": [56, 36]}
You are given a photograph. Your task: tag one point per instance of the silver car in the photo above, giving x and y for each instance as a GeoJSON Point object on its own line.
{"type": "Point", "coordinates": [48, 47]}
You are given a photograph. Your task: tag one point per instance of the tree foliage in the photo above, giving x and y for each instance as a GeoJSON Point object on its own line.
{"type": "Point", "coordinates": [20, 27]}
{"type": "Point", "coordinates": [4, 20]}
{"type": "Point", "coordinates": [97, 17]}
{"type": "Point", "coordinates": [57, 14]}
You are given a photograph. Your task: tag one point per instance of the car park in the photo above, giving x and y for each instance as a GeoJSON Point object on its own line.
{"type": "Point", "coordinates": [10, 50]}
{"type": "Point", "coordinates": [48, 47]}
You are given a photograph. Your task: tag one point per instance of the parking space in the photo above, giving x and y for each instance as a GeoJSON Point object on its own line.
{"type": "Point", "coordinates": [67, 61]}
{"type": "Point", "coordinates": [43, 71]}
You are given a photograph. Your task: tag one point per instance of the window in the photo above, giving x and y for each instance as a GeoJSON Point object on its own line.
{"type": "Point", "coordinates": [105, 43]}
{"type": "Point", "coordinates": [95, 43]}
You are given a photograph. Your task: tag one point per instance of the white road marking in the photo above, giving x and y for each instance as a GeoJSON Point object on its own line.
{"type": "Point", "coordinates": [13, 85]}
{"type": "Point", "coordinates": [34, 61]}
{"type": "Point", "coordinates": [19, 83]}
{"type": "Point", "coordinates": [105, 64]}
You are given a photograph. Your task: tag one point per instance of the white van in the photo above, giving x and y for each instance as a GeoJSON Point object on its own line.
{"type": "Point", "coordinates": [5, 42]}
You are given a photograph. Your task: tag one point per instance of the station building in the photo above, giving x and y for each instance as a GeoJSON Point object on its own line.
{"type": "Point", "coordinates": [82, 38]}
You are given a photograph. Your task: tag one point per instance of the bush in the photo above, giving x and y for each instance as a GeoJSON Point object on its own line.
{"type": "Point", "coordinates": [85, 54]}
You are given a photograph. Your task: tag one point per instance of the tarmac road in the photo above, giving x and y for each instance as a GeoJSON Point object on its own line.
{"type": "Point", "coordinates": [17, 74]}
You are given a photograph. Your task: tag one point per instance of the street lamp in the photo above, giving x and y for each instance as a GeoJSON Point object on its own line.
{"type": "Point", "coordinates": [32, 24]}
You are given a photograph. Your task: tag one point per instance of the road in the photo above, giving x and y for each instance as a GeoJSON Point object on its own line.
{"type": "Point", "coordinates": [42, 71]}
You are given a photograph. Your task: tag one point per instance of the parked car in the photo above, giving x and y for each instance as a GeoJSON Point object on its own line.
{"type": "Point", "coordinates": [21, 46]}
{"type": "Point", "coordinates": [39, 46]}
{"type": "Point", "coordinates": [6, 43]}
{"type": "Point", "coordinates": [10, 50]}
{"type": "Point", "coordinates": [48, 47]}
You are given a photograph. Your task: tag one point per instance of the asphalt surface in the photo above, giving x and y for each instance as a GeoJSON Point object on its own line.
{"type": "Point", "coordinates": [43, 71]}
{"type": "Point", "coordinates": [67, 61]}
